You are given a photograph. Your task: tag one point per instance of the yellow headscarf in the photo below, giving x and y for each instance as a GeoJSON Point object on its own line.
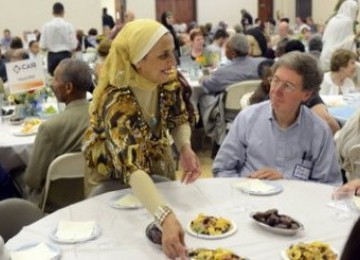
{"type": "Point", "coordinates": [130, 46]}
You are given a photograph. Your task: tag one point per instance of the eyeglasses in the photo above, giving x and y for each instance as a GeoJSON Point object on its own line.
{"type": "Point", "coordinates": [286, 86]}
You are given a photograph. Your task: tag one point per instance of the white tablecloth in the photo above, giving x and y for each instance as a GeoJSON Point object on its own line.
{"type": "Point", "coordinates": [123, 231]}
{"type": "Point", "coordinates": [14, 150]}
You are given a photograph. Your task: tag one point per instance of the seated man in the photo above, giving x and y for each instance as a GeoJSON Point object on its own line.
{"type": "Point", "coordinates": [281, 138]}
{"type": "Point", "coordinates": [61, 133]}
{"type": "Point", "coordinates": [242, 67]}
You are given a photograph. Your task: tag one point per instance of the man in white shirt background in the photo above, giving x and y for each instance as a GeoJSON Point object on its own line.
{"type": "Point", "coordinates": [58, 38]}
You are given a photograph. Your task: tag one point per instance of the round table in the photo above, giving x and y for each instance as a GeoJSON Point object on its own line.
{"type": "Point", "coordinates": [123, 231]}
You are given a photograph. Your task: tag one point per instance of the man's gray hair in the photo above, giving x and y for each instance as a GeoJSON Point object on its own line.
{"type": "Point", "coordinates": [239, 43]}
{"type": "Point", "coordinates": [305, 65]}
{"type": "Point", "coordinates": [77, 72]}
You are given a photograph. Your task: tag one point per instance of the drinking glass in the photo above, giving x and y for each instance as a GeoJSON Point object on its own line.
{"type": "Point", "coordinates": [342, 202]}
{"type": "Point", "coordinates": [240, 197]}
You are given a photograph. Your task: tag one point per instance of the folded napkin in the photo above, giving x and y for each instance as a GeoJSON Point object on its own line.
{"type": "Point", "coordinates": [38, 252]}
{"type": "Point", "coordinates": [128, 200]}
{"type": "Point", "coordinates": [74, 230]}
{"type": "Point", "coordinates": [254, 185]}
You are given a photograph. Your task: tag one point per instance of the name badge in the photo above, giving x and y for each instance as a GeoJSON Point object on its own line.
{"type": "Point", "coordinates": [302, 172]}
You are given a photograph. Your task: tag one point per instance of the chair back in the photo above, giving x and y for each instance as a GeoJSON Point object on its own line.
{"type": "Point", "coordinates": [65, 180]}
{"type": "Point", "coordinates": [234, 93]}
{"type": "Point", "coordinates": [354, 157]}
{"type": "Point", "coordinates": [15, 214]}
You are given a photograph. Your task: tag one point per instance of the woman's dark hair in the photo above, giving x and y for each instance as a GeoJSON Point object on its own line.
{"type": "Point", "coordinates": [352, 248]}
{"type": "Point", "coordinates": [186, 95]}
{"type": "Point", "coordinates": [262, 91]}
{"type": "Point", "coordinates": [16, 43]}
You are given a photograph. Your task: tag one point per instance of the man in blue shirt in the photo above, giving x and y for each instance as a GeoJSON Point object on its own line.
{"type": "Point", "coordinates": [281, 138]}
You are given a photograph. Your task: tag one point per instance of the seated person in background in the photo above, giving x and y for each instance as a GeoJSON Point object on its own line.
{"type": "Point", "coordinates": [281, 138]}
{"type": "Point", "coordinates": [347, 137]}
{"type": "Point", "coordinates": [339, 80]}
{"type": "Point", "coordinates": [103, 51]}
{"type": "Point", "coordinates": [34, 49]}
{"type": "Point", "coordinates": [61, 133]}
{"type": "Point", "coordinates": [242, 67]}
{"type": "Point", "coordinates": [216, 47]}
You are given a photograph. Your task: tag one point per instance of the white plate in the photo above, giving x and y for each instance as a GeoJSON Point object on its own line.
{"type": "Point", "coordinates": [95, 234]}
{"type": "Point", "coordinates": [285, 257]}
{"type": "Point", "coordinates": [276, 188]}
{"type": "Point", "coordinates": [227, 234]}
{"type": "Point", "coordinates": [20, 133]}
{"type": "Point", "coordinates": [192, 258]}
{"type": "Point", "coordinates": [277, 230]}
{"type": "Point", "coordinates": [131, 203]}
{"type": "Point", "coordinates": [55, 249]}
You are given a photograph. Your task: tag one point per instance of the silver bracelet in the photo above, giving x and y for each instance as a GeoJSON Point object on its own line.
{"type": "Point", "coordinates": [161, 213]}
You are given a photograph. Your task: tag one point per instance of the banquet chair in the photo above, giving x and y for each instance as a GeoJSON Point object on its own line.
{"type": "Point", "coordinates": [233, 95]}
{"type": "Point", "coordinates": [64, 182]}
{"type": "Point", "coordinates": [15, 214]}
{"type": "Point", "coordinates": [354, 157]}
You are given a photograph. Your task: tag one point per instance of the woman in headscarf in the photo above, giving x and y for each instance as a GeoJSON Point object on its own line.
{"type": "Point", "coordinates": [138, 101]}
{"type": "Point", "coordinates": [339, 32]}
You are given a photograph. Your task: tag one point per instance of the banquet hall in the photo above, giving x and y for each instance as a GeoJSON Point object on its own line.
{"type": "Point", "coordinates": [139, 181]}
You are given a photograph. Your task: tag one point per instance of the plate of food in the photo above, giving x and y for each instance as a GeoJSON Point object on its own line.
{"type": "Point", "coordinates": [312, 250]}
{"type": "Point", "coordinates": [125, 201]}
{"type": "Point", "coordinates": [274, 222]}
{"type": "Point", "coordinates": [258, 187]}
{"type": "Point", "coordinates": [71, 232]}
{"type": "Point", "coordinates": [211, 227]}
{"type": "Point", "coordinates": [39, 251]}
{"type": "Point", "coordinates": [29, 127]}
{"type": "Point", "coordinates": [14, 120]}
{"type": "Point", "coordinates": [218, 253]}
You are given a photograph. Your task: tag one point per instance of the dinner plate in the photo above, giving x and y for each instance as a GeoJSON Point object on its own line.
{"type": "Point", "coordinates": [20, 133]}
{"type": "Point", "coordinates": [230, 232]}
{"type": "Point", "coordinates": [277, 230]}
{"type": "Point", "coordinates": [55, 250]}
{"type": "Point", "coordinates": [275, 187]}
{"type": "Point", "coordinates": [231, 254]}
{"type": "Point", "coordinates": [125, 201]}
{"type": "Point", "coordinates": [285, 257]}
{"type": "Point", "coordinates": [95, 234]}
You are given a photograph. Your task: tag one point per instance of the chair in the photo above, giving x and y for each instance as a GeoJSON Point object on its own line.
{"type": "Point", "coordinates": [354, 157]}
{"type": "Point", "coordinates": [234, 93]}
{"type": "Point", "coordinates": [64, 181]}
{"type": "Point", "coordinates": [15, 214]}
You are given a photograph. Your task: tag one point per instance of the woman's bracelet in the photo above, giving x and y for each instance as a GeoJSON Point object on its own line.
{"type": "Point", "coordinates": [161, 213]}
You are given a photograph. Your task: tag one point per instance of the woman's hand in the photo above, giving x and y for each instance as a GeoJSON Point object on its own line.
{"type": "Point", "coordinates": [190, 164]}
{"type": "Point", "coordinates": [173, 238]}
{"type": "Point", "coordinates": [266, 174]}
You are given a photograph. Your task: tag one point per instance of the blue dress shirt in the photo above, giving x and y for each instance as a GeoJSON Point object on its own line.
{"type": "Point", "coordinates": [256, 141]}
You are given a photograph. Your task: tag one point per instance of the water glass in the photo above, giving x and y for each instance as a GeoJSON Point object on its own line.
{"type": "Point", "coordinates": [342, 202]}
{"type": "Point", "coordinates": [240, 197]}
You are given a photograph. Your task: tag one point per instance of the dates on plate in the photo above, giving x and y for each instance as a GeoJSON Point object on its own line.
{"type": "Point", "coordinates": [274, 219]}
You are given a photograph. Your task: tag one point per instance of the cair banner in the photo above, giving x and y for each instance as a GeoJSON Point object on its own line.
{"type": "Point", "coordinates": [25, 75]}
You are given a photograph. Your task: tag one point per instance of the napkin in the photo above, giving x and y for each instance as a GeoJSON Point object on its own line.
{"type": "Point", "coordinates": [75, 230]}
{"type": "Point", "coordinates": [128, 200]}
{"type": "Point", "coordinates": [254, 185]}
{"type": "Point", "coordinates": [38, 252]}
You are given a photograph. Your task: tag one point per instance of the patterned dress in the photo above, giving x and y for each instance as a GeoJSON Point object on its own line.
{"type": "Point", "coordinates": [120, 141]}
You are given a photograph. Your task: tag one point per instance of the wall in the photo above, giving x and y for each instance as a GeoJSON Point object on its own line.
{"type": "Point", "coordinates": [20, 15]}
{"type": "Point", "coordinates": [84, 14]}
